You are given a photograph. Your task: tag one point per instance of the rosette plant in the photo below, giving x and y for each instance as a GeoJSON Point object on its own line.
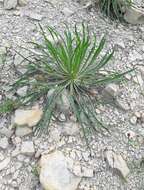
{"type": "Point", "coordinates": [70, 63]}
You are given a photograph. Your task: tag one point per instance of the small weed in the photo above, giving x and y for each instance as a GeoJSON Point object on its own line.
{"type": "Point", "coordinates": [35, 171]}
{"type": "Point", "coordinates": [7, 106]}
{"type": "Point", "coordinates": [114, 9]}
{"type": "Point", "coordinates": [72, 66]}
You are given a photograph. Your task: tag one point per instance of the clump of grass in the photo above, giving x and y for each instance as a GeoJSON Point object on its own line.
{"type": "Point", "coordinates": [7, 106]}
{"type": "Point", "coordinates": [114, 9]}
{"type": "Point", "coordinates": [2, 58]}
{"type": "Point", "coordinates": [73, 65]}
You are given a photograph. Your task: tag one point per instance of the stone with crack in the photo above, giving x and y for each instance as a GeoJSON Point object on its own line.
{"type": "Point", "coordinates": [116, 162]}
{"type": "Point", "coordinates": [54, 173]}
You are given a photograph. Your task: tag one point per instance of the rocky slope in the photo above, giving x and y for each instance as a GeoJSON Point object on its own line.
{"type": "Point", "coordinates": [112, 157]}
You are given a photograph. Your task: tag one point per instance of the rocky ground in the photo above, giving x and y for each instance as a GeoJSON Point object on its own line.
{"type": "Point", "coordinates": [113, 156]}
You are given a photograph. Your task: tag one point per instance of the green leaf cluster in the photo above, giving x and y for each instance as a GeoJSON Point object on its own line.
{"type": "Point", "coordinates": [70, 62]}
{"type": "Point", "coordinates": [114, 9]}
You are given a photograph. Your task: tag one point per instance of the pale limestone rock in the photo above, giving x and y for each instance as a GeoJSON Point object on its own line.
{"type": "Point", "coordinates": [4, 143]}
{"type": "Point", "coordinates": [133, 120]}
{"type": "Point", "coordinates": [112, 89]}
{"type": "Point", "coordinates": [28, 117]}
{"type": "Point", "coordinates": [134, 15]}
{"type": "Point", "coordinates": [117, 162]}
{"type": "Point", "coordinates": [54, 173]}
{"type": "Point", "coordinates": [34, 16]}
{"type": "Point", "coordinates": [110, 92]}
{"type": "Point", "coordinates": [5, 131]}
{"type": "Point", "coordinates": [0, 97]}
{"type": "Point", "coordinates": [22, 2]}
{"type": "Point", "coordinates": [17, 140]}
{"type": "Point", "coordinates": [4, 163]}
{"type": "Point", "coordinates": [1, 156]}
{"type": "Point", "coordinates": [10, 4]}
{"type": "Point", "coordinates": [67, 12]}
{"type": "Point", "coordinates": [15, 152]}
{"type": "Point", "coordinates": [27, 148]}
{"type": "Point", "coordinates": [137, 114]}
{"type": "Point", "coordinates": [80, 171]}
{"type": "Point", "coordinates": [22, 91]}
{"type": "Point", "coordinates": [23, 131]}
{"type": "Point", "coordinates": [142, 117]}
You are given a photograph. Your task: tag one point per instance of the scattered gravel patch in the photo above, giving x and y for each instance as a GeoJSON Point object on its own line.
{"type": "Point", "coordinates": [19, 155]}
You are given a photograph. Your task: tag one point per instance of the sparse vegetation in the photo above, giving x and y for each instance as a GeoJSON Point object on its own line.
{"type": "Point", "coordinates": [114, 9]}
{"type": "Point", "coordinates": [73, 65]}
{"type": "Point", "coordinates": [7, 106]}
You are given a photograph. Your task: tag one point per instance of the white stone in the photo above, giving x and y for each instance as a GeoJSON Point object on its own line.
{"type": "Point", "coordinates": [10, 4]}
{"type": "Point", "coordinates": [22, 91]}
{"type": "Point", "coordinates": [4, 143]}
{"type": "Point", "coordinates": [67, 12]}
{"type": "Point", "coordinates": [0, 97]}
{"type": "Point", "coordinates": [140, 80]}
{"type": "Point", "coordinates": [87, 172]}
{"type": "Point", "coordinates": [15, 152]}
{"type": "Point", "coordinates": [137, 114]}
{"type": "Point", "coordinates": [133, 120]}
{"type": "Point", "coordinates": [82, 171]}
{"type": "Point", "coordinates": [134, 15]}
{"type": "Point", "coordinates": [27, 148]}
{"type": "Point", "coordinates": [142, 117]}
{"type": "Point", "coordinates": [5, 131]}
{"type": "Point", "coordinates": [117, 162]}
{"type": "Point", "coordinates": [4, 163]}
{"type": "Point", "coordinates": [34, 16]}
{"type": "Point", "coordinates": [1, 156]}
{"type": "Point", "coordinates": [17, 140]}
{"type": "Point", "coordinates": [23, 131]}
{"type": "Point", "coordinates": [54, 174]}
{"type": "Point", "coordinates": [22, 2]}
{"type": "Point", "coordinates": [28, 117]}
{"type": "Point", "coordinates": [112, 89]}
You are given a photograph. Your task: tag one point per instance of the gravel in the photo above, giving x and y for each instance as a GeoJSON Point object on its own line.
{"type": "Point", "coordinates": [19, 26]}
